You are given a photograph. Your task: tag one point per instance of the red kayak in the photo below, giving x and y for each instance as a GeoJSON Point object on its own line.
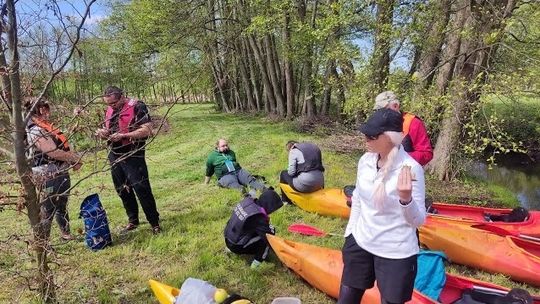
{"type": "Point", "coordinates": [322, 267]}
{"type": "Point", "coordinates": [526, 223]}
{"type": "Point", "coordinates": [482, 247]}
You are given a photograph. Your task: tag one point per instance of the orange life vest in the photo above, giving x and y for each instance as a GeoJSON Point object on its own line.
{"type": "Point", "coordinates": [58, 137]}
{"type": "Point", "coordinates": [407, 119]}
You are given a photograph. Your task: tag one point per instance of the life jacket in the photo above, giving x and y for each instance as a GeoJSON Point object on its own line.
{"type": "Point", "coordinates": [407, 141]}
{"type": "Point", "coordinates": [235, 229]}
{"type": "Point", "coordinates": [312, 157]}
{"type": "Point", "coordinates": [407, 119]}
{"type": "Point", "coordinates": [60, 140]}
{"type": "Point", "coordinates": [127, 113]}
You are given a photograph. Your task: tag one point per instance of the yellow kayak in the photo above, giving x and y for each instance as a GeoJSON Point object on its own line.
{"type": "Point", "coordinates": [166, 294]}
{"type": "Point", "coordinates": [330, 201]}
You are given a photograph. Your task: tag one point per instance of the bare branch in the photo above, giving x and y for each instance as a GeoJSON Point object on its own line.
{"type": "Point", "coordinates": [66, 60]}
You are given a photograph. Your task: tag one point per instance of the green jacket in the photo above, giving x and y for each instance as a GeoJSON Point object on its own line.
{"type": "Point", "coordinates": [216, 163]}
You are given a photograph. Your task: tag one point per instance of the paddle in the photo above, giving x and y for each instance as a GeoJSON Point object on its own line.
{"type": "Point", "coordinates": [504, 232]}
{"type": "Point", "coordinates": [305, 229]}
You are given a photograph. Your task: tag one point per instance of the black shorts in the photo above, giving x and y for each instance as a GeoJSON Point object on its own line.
{"type": "Point", "coordinates": [395, 277]}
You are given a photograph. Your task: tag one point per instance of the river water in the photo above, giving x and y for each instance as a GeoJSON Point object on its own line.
{"type": "Point", "coordinates": [522, 178]}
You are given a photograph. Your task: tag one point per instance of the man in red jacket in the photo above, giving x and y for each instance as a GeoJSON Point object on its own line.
{"type": "Point", "coordinates": [416, 141]}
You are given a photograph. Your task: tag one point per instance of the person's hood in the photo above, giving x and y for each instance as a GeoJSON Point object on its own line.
{"type": "Point", "coordinates": [269, 200]}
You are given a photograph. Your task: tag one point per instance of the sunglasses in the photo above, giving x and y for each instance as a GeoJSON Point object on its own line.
{"type": "Point", "coordinates": [369, 137]}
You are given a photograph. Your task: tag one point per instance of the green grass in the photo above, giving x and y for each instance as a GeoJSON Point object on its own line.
{"type": "Point", "coordinates": [193, 216]}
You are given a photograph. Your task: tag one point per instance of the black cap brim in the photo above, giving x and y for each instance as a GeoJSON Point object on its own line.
{"type": "Point", "coordinates": [370, 130]}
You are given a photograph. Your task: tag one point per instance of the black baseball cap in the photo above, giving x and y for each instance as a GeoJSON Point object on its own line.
{"type": "Point", "coordinates": [381, 121]}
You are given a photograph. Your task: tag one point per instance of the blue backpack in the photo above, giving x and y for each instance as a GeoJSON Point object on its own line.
{"type": "Point", "coordinates": [96, 225]}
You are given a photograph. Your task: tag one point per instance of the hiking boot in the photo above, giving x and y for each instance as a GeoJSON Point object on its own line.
{"type": "Point", "coordinates": [67, 236]}
{"type": "Point", "coordinates": [130, 227]}
{"type": "Point", "coordinates": [156, 230]}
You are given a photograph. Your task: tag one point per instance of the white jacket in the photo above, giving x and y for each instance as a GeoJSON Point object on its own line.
{"type": "Point", "coordinates": [390, 232]}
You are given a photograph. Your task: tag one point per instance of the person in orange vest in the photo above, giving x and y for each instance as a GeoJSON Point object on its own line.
{"type": "Point", "coordinates": [127, 126]}
{"type": "Point", "coordinates": [416, 141]}
{"type": "Point", "coordinates": [52, 157]}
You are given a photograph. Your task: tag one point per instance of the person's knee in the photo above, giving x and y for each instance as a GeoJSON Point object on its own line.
{"type": "Point", "coordinates": [350, 295]}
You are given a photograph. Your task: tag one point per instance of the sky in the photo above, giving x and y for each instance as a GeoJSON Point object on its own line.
{"type": "Point", "coordinates": [74, 8]}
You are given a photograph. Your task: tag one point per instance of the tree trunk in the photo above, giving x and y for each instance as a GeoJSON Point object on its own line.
{"type": "Point", "coordinates": [308, 107]}
{"type": "Point", "coordinates": [327, 91]}
{"type": "Point", "coordinates": [41, 239]}
{"type": "Point", "coordinates": [288, 69]}
{"type": "Point", "coordinates": [257, 90]}
{"type": "Point", "coordinates": [451, 51]}
{"type": "Point", "coordinates": [381, 53]}
{"type": "Point", "coordinates": [245, 79]}
{"type": "Point", "coordinates": [273, 73]}
{"type": "Point", "coordinates": [433, 42]}
{"type": "Point", "coordinates": [470, 69]}
{"type": "Point", "coordinates": [271, 101]}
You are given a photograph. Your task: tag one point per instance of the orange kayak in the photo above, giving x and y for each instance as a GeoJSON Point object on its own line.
{"type": "Point", "coordinates": [473, 214]}
{"type": "Point", "coordinates": [322, 268]}
{"type": "Point", "coordinates": [479, 248]}
{"type": "Point", "coordinates": [331, 201]}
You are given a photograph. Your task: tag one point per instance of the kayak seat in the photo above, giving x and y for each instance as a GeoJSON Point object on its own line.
{"type": "Point", "coordinates": [473, 296]}
{"type": "Point", "coordinates": [514, 296]}
{"type": "Point", "coordinates": [518, 214]}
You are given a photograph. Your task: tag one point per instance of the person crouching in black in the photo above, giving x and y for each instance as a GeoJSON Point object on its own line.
{"type": "Point", "coordinates": [245, 232]}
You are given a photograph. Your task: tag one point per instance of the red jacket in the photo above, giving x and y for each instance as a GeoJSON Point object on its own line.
{"type": "Point", "coordinates": [416, 141]}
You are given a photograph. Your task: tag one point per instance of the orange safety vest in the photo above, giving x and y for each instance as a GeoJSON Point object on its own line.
{"type": "Point", "coordinates": [58, 137]}
{"type": "Point", "coordinates": [407, 119]}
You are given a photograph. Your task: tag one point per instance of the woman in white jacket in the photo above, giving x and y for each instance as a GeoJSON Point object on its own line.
{"type": "Point", "coordinates": [387, 207]}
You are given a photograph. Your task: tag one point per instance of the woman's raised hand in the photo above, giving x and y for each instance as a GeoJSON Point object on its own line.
{"type": "Point", "coordinates": [404, 185]}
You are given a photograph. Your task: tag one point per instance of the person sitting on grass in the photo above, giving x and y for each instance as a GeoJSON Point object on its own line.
{"type": "Point", "coordinates": [222, 162]}
{"type": "Point", "coordinates": [245, 232]}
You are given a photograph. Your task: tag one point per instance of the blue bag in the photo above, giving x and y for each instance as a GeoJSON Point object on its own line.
{"type": "Point", "coordinates": [96, 225]}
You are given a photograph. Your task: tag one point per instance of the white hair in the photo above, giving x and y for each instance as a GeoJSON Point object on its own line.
{"type": "Point", "coordinates": [379, 194]}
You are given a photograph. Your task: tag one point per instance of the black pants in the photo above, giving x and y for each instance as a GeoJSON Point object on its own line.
{"type": "Point", "coordinates": [130, 177]}
{"type": "Point", "coordinates": [259, 248]}
{"type": "Point", "coordinates": [54, 194]}
{"type": "Point", "coordinates": [395, 277]}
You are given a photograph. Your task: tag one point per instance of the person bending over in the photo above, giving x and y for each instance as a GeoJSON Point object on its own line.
{"type": "Point", "coordinates": [245, 232]}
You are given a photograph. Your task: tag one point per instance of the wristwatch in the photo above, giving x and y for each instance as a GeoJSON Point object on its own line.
{"type": "Point", "coordinates": [405, 203]}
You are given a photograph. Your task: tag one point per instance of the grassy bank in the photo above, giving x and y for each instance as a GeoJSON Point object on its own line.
{"type": "Point", "coordinates": [193, 216]}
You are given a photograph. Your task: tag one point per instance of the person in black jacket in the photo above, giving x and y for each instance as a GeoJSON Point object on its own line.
{"type": "Point", "coordinates": [245, 232]}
